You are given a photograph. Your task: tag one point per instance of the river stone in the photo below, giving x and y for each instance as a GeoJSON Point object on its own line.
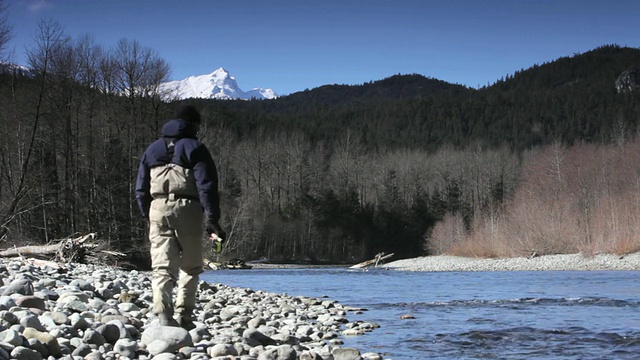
{"type": "Point", "coordinates": [310, 355]}
{"type": "Point", "coordinates": [37, 345]}
{"type": "Point", "coordinates": [47, 339]}
{"type": "Point", "coordinates": [110, 332]}
{"type": "Point", "coordinates": [46, 283]}
{"type": "Point", "coordinates": [256, 335]}
{"type": "Point", "coordinates": [198, 334]}
{"type": "Point", "coordinates": [126, 347]}
{"type": "Point", "coordinates": [31, 301]}
{"type": "Point", "coordinates": [76, 305]}
{"type": "Point", "coordinates": [6, 302]}
{"type": "Point", "coordinates": [371, 356]}
{"type": "Point", "coordinates": [24, 353]}
{"type": "Point", "coordinates": [82, 350]}
{"type": "Point", "coordinates": [47, 321]}
{"type": "Point", "coordinates": [75, 342]}
{"type": "Point", "coordinates": [67, 296]}
{"type": "Point", "coordinates": [120, 318]}
{"type": "Point", "coordinates": [31, 321]}
{"type": "Point", "coordinates": [78, 322]}
{"type": "Point", "coordinates": [20, 286]}
{"type": "Point", "coordinates": [105, 293]}
{"type": "Point", "coordinates": [48, 294]}
{"type": "Point", "coordinates": [166, 356]}
{"type": "Point", "coordinates": [346, 354]}
{"type": "Point", "coordinates": [82, 285]}
{"type": "Point", "coordinates": [175, 337]}
{"type": "Point", "coordinates": [282, 352]}
{"type": "Point", "coordinates": [285, 339]}
{"type": "Point", "coordinates": [220, 350]}
{"type": "Point", "coordinates": [11, 337]}
{"type": "Point", "coordinates": [256, 322]}
{"type": "Point", "coordinates": [91, 336]}
{"type": "Point", "coordinates": [9, 317]}
{"type": "Point", "coordinates": [121, 327]}
{"type": "Point", "coordinates": [352, 332]}
{"type": "Point", "coordinates": [59, 318]}
{"type": "Point", "coordinates": [158, 347]}
{"type": "Point", "coordinates": [97, 304]}
{"type": "Point", "coordinates": [5, 350]}
{"type": "Point", "coordinates": [128, 307]}
{"type": "Point", "coordinates": [94, 355]}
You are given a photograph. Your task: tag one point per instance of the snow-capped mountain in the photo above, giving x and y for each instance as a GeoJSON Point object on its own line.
{"type": "Point", "coordinates": [217, 85]}
{"type": "Point", "coordinates": [6, 67]}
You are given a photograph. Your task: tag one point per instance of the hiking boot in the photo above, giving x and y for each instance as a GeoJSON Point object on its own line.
{"type": "Point", "coordinates": [185, 322]}
{"type": "Point", "coordinates": [165, 320]}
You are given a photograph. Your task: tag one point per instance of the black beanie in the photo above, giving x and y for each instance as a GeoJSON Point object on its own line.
{"type": "Point", "coordinates": [188, 113]}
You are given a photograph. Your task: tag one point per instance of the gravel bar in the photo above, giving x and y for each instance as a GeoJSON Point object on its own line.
{"type": "Point", "coordinates": [562, 262]}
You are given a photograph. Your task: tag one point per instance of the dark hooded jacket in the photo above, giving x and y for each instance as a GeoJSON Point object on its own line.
{"type": "Point", "coordinates": [189, 153]}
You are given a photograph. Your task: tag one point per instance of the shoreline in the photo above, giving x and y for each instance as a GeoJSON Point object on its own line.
{"type": "Point", "coordinates": [52, 310]}
{"type": "Point", "coordinates": [560, 262]}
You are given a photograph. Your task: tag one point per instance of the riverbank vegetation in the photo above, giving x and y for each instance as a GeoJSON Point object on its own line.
{"type": "Point", "coordinates": [584, 198]}
{"type": "Point", "coordinates": [544, 160]}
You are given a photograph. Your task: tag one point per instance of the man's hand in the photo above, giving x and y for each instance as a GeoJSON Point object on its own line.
{"type": "Point", "coordinates": [217, 242]}
{"type": "Point", "coordinates": [213, 229]}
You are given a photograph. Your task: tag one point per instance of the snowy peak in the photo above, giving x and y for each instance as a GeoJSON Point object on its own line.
{"type": "Point", "coordinates": [217, 85]}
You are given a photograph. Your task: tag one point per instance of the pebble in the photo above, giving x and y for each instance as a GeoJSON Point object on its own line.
{"type": "Point", "coordinates": [86, 311]}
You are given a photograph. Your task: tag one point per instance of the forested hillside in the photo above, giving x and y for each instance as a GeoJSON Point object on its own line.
{"type": "Point", "coordinates": [334, 174]}
{"type": "Point", "coordinates": [569, 99]}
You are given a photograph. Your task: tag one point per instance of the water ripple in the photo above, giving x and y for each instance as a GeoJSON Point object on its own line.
{"type": "Point", "coordinates": [586, 301]}
{"type": "Point", "coordinates": [529, 342]}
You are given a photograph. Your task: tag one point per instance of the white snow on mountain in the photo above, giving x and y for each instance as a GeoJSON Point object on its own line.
{"type": "Point", "coordinates": [217, 85]}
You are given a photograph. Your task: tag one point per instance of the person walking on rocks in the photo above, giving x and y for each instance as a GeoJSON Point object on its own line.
{"type": "Point", "coordinates": [177, 191]}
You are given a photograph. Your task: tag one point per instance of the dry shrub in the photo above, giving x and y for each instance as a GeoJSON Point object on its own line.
{"type": "Point", "coordinates": [470, 248]}
{"type": "Point", "coordinates": [625, 245]}
{"type": "Point", "coordinates": [446, 234]}
{"type": "Point", "coordinates": [611, 202]}
{"type": "Point", "coordinates": [580, 199]}
{"type": "Point", "coordinates": [487, 237]}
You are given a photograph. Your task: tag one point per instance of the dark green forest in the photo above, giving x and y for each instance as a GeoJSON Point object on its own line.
{"type": "Point", "coordinates": [334, 174]}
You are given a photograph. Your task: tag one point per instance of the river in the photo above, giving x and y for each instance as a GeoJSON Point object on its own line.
{"type": "Point", "coordinates": [473, 315]}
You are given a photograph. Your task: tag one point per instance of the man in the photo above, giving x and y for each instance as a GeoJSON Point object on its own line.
{"type": "Point", "coordinates": [177, 191]}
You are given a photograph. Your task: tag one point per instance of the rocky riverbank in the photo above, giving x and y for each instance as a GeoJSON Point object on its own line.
{"type": "Point", "coordinates": [93, 312]}
{"type": "Point", "coordinates": [539, 263]}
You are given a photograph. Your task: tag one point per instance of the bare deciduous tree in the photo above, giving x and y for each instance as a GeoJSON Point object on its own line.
{"type": "Point", "coordinates": [5, 29]}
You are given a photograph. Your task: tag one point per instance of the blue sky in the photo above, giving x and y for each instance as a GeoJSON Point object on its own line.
{"type": "Point", "coordinates": [293, 45]}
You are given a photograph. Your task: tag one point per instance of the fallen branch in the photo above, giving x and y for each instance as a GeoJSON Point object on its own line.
{"type": "Point", "coordinates": [66, 250]}
{"type": "Point", "coordinates": [375, 261]}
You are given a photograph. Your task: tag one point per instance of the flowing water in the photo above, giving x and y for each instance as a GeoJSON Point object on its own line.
{"type": "Point", "coordinates": [473, 315]}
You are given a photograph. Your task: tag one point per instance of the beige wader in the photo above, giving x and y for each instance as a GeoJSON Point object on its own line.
{"type": "Point", "coordinates": [176, 232]}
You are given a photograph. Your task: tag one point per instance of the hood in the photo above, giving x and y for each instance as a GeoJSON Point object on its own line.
{"type": "Point", "coordinates": [178, 128]}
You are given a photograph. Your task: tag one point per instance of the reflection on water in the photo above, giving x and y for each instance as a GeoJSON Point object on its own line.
{"type": "Point", "coordinates": [474, 315]}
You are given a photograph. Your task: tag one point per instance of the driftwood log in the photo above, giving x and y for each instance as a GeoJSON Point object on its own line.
{"type": "Point", "coordinates": [78, 250]}
{"type": "Point", "coordinates": [373, 262]}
